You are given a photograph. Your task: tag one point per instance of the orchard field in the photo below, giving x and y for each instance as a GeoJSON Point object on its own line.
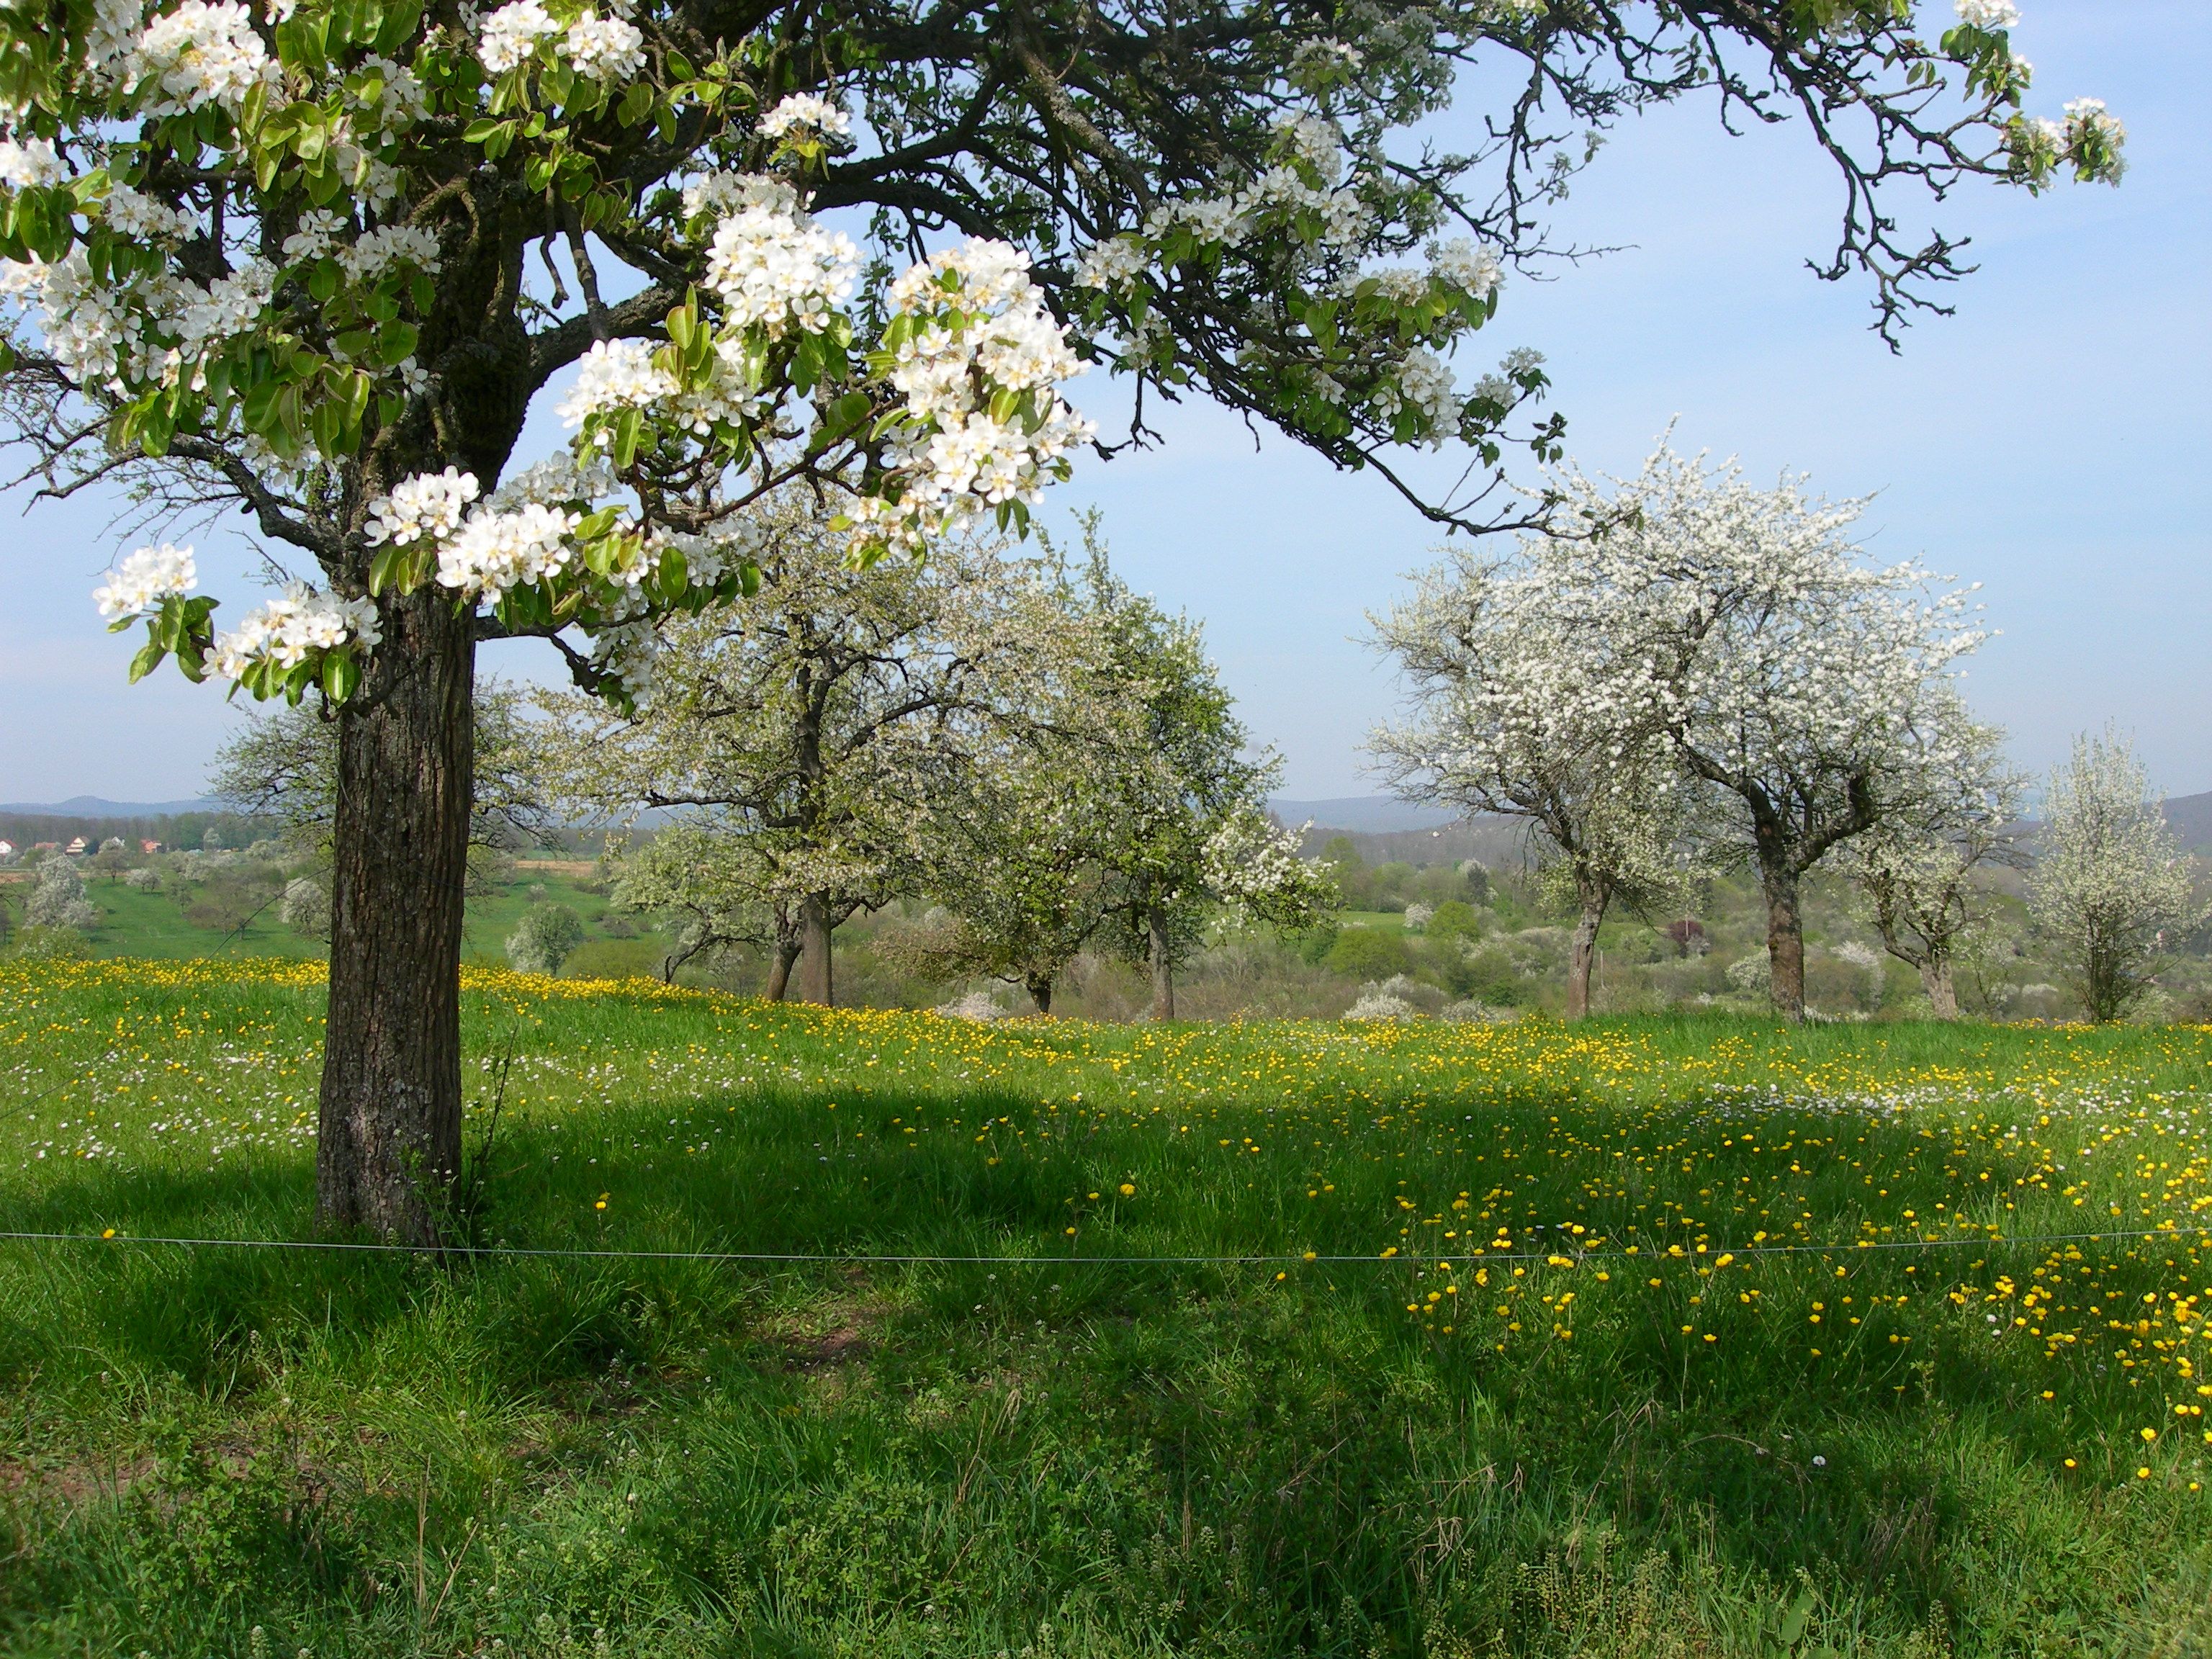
{"type": "Point", "coordinates": [1643, 1337]}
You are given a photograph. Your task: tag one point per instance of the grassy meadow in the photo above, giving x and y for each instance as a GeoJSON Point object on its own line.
{"type": "Point", "coordinates": [1661, 1336]}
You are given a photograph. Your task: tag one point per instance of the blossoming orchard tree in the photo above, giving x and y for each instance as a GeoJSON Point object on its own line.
{"type": "Point", "coordinates": [312, 259]}
{"type": "Point", "coordinates": [1739, 624]}
{"type": "Point", "coordinates": [1510, 712]}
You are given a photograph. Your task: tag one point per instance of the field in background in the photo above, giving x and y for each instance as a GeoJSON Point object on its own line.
{"type": "Point", "coordinates": [1647, 1337]}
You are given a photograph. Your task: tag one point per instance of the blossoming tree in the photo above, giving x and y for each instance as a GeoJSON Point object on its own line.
{"type": "Point", "coordinates": [312, 259]}
{"type": "Point", "coordinates": [1739, 624]}
{"type": "Point", "coordinates": [1923, 869]}
{"type": "Point", "coordinates": [2110, 883]}
{"type": "Point", "coordinates": [1512, 712]}
{"type": "Point", "coordinates": [808, 737]}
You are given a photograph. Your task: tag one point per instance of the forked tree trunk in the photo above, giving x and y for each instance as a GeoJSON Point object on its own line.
{"type": "Point", "coordinates": [1582, 954]}
{"type": "Point", "coordinates": [1785, 942]}
{"type": "Point", "coordinates": [781, 955]}
{"type": "Point", "coordinates": [815, 984]}
{"type": "Point", "coordinates": [389, 1130]}
{"type": "Point", "coordinates": [1161, 956]}
{"type": "Point", "coordinates": [1935, 980]}
{"type": "Point", "coordinates": [1040, 990]}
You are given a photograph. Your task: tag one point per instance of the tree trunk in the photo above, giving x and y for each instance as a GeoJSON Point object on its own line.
{"type": "Point", "coordinates": [781, 955]}
{"type": "Point", "coordinates": [389, 1130]}
{"type": "Point", "coordinates": [1785, 941]}
{"type": "Point", "coordinates": [1582, 955]}
{"type": "Point", "coordinates": [1162, 963]}
{"type": "Point", "coordinates": [1040, 993]}
{"type": "Point", "coordinates": [815, 983]}
{"type": "Point", "coordinates": [1935, 980]}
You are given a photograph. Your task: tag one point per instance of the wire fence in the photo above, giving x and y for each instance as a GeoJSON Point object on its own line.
{"type": "Point", "coordinates": [826, 1257]}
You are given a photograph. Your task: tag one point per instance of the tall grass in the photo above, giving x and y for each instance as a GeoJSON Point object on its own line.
{"type": "Point", "coordinates": [1539, 1389]}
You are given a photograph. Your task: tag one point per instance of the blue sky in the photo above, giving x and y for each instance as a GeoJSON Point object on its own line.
{"type": "Point", "coordinates": [2049, 440]}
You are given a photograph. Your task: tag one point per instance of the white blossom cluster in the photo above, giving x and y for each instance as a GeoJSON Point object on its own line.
{"type": "Point", "coordinates": [720, 194]}
{"type": "Point", "coordinates": [130, 213]}
{"type": "Point", "coordinates": [198, 56]}
{"type": "Point", "coordinates": [144, 579]}
{"type": "Point", "coordinates": [1991, 15]}
{"type": "Point", "coordinates": [400, 100]}
{"type": "Point", "coordinates": [615, 375]}
{"type": "Point", "coordinates": [493, 552]}
{"type": "Point", "coordinates": [605, 48]}
{"type": "Point", "coordinates": [1422, 383]}
{"type": "Point", "coordinates": [427, 507]}
{"type": "Point", "coordinates": [1112, 264]}
{"type": "Point", "coordinates": [510, 36]}
{"type": "Point", "coordinates": [365, 259]}
{"type": "Point", "coordinates": [287, 631]}
{"type": "Point", "coordinates": [806, 114]}
{"type": "Point", "coordinates": [25, 162]}
{"type": "Point", "coordinates": [559, 477]}
{"type": "Point", "coordinates": [1248, 860]}
{"type": "Point", "coordinates": [157, 326]}
{"type": "Point", "coordinates": [981, 327]}
{"type": "Point", "coordinates": [776, 269]}
{"type": "Point", "coordinates": [626, 653]}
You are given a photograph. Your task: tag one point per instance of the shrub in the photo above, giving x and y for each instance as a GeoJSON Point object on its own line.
{"type": "Point", "coordinates": [1454, 918]}
{"type": "Point", "coordinates": [1751, 975]}
{"type": "Point", "coordinates": [1418, 917]}
{"type": "Point", "coordinates": [1368, 953]}
{"type": "Point", "coordinates": [547, 936]}
{"type": "Point", "coordinates": [42, 944]}
{"type": "Point", "coordinates": [59, 900]}
{"type": "Point", "coordinates": [145, 878]}
{"type": "Point", "coordinates": [307, 907]}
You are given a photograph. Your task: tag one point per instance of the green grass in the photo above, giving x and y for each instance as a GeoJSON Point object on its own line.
{"type": "Point", "coordinates": [1047, 1452]}
{"type": "Point", "coordinates": [152, 924]}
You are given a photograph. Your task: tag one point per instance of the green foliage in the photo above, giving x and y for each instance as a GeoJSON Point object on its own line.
{"type": "Point", "coordinates": [548, 934]}
{"type": "Point", "coordinates": [1368, 953]}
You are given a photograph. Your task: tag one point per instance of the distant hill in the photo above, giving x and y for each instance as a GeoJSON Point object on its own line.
{"type": "Point", "coordinates": [1372, 814]}
{"type": "Point", "coordinates": [92, 806]}
{"type": "Point", "coordinates": [2190, 817]}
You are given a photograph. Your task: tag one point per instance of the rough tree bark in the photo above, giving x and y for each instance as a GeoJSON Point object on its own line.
{"type": "Point", "coordinates": [1040, 990]}
{"type": "Point", "coordinates": [1935, 980]}
{"type": "Point", "coordinates": [1582, 953]}
{"type": "Point", "coordinates": [390, 1119]}
{"type": "Point", "coordinates": [1785, 940]}
{"type": "Point", "coordinates": [782, 956]}
{"type": "Point", "coordinates": [1161, 956]}
{"type": "Point", "coordinates": [815, 984]}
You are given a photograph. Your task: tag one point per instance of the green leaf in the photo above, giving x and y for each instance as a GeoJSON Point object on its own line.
{"type": "Point", "coordinates": [323, 281]}
{"type": "Point", "coordinates": [395, 344]}
{"type": "Point", "coordinates": [341, 674]}
{"type": "Point", "coordinates": [147, 660]}
{"type": "Point", "coordinates": [402, 18]}
{"type": "Point", "coordinates": [628, 426]}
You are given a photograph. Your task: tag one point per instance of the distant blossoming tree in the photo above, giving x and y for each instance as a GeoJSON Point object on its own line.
{"type": "Point", "coordinates": [2111, 881]}
{"type": "Point", "coordinates": [1513, 712]}
{"type": "Point", "coordinates": [1739, 624]}
{"type": "Point", "coordinates": [313, 259]}
{"type": "Point", "coordinates": [1924, 868]}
